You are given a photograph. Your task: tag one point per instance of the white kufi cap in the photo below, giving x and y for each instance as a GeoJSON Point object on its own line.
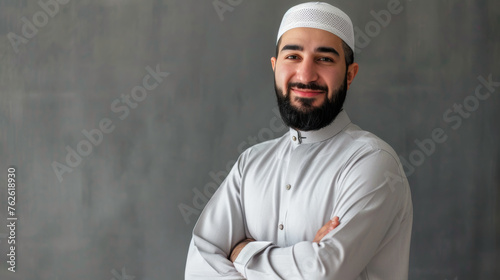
{"type": "Point", "coordinates": [321, 16]}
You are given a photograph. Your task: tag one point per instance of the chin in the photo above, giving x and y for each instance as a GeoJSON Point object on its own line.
{"type": "Point", "coordinates": [307, 104]}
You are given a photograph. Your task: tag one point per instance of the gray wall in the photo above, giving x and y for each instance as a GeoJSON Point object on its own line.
{"type": "Point", "coordinates": [118, 212]}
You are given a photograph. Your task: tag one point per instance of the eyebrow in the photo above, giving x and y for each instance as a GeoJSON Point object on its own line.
{"type": "Point", "coordinates": [292, 48]}
{"type": "Point", "coordinates": [327, 50]}
{"type": "Point", "coordinates": [318, 49]}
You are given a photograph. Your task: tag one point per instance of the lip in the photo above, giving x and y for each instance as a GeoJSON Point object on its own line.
{"type": "Point", "coordinates": [307, 93]}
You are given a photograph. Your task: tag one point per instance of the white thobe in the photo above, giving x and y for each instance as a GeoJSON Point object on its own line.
{"type": "Point", "coordinates": [281, 192]}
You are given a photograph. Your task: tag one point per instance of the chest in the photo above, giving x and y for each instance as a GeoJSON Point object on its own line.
{"type": "Point", "coordinates": [287, 197]}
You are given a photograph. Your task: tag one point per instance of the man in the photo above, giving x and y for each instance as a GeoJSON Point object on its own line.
{"type": "Point", "coordinates": [263, 221]}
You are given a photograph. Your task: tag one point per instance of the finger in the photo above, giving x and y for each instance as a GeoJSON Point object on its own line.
{"type": "Point", "coordinates": [326, 228]}
{"type": "Point", "coordinates": [321, 232]}
{"type": "Point", "coordinates": [330, 225]}
{"type": "Point", "coordinates": [335, 222]}
{"type": "Point", "coordinates": [324, 231]}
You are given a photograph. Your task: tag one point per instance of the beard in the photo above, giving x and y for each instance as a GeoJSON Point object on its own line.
{"type": "Point", "coordinates": [308, 117]}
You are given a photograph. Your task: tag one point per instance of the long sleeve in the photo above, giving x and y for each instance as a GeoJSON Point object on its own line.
{"type": "Point", "coordinates": [219, 228]}
{"type": "Point", "coordinates": [374, 205]}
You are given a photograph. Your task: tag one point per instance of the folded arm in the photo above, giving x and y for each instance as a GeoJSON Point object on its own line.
{"type": "Point", "coordinates": [219, 228]}
{"type": "Point", "coordinates": [324, 230]}
{"type": "Point", "coordinates": [368, 203]}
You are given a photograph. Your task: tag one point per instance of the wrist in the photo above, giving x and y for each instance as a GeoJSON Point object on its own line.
{"type": "Point", "coordinates": [237, 249]}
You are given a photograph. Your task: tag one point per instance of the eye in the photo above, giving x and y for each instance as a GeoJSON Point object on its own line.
{"type": "Point", "coordinates": [325, 59]}
{"type": "Point", "coordinates": [291, 57]}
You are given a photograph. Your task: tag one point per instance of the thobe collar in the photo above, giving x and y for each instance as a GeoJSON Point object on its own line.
{"type": "Point", "coordinates": [307, 137]}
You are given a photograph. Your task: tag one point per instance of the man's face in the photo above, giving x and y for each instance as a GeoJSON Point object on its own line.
{"type": "Point", "coordinates": [311, 77]}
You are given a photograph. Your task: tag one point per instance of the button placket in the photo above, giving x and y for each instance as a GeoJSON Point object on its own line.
{"type": "Point", "coordinates": [288, 185]}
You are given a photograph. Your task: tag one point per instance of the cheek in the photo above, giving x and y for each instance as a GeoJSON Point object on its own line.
{"type": "Point", "coordinates": [334, 79]}
{"type": "Point", "coordinates": [283, 74]}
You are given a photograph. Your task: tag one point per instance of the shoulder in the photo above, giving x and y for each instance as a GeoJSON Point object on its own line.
{"type": "Point", "coordinates": [266, 146]}
{"type": "Point", "coordinates": [372, 162]}
{"type": "Point", "coordinates": [369, 157]}
{"type": "Point", "coordinates": [265, 150]}
{"type": "Point", "coordinates": [363, 142]}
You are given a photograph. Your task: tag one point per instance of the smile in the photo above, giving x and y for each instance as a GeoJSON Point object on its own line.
{"type": "Point", "coordinates": [307, 92]}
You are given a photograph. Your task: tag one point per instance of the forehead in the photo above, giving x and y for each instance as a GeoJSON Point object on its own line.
{"type": "Point", "coordinates": [311, 38]}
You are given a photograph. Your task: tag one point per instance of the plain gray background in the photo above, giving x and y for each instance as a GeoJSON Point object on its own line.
{"type": "Point", "coordinates": [117, 214]}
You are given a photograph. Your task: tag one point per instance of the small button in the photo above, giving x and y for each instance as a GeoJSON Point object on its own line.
{"type": "Point", "coordinates": [294, 138]}
{"type": "Point", "coordinates": [288, 187]}
{"type": "Point", "coordinates": [281, 226]}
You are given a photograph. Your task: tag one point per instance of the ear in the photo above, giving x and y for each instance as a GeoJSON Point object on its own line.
{"type": "Point", "coordinates": [273, 63]}
{"type": "Point", "coordinates": [351, 73]}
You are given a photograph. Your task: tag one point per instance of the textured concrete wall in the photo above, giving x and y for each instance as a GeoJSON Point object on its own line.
{"type": "Point", "coordinates": [111, 207]}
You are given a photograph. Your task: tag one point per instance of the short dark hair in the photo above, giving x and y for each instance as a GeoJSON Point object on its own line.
{"type": "Point", "coordinates": [348, 53]}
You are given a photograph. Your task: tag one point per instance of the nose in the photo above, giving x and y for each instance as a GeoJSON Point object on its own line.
{"type": "Point", "coordinates": [306, 71]}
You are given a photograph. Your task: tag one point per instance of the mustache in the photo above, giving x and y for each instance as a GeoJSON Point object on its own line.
{"type": "Point", "coordinates": [311, 86]}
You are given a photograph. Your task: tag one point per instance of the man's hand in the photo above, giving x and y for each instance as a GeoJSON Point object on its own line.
{"type": "Point", "coordinates": [329, 226]}
{"type": "Point", "coordinates": [237, 249]}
